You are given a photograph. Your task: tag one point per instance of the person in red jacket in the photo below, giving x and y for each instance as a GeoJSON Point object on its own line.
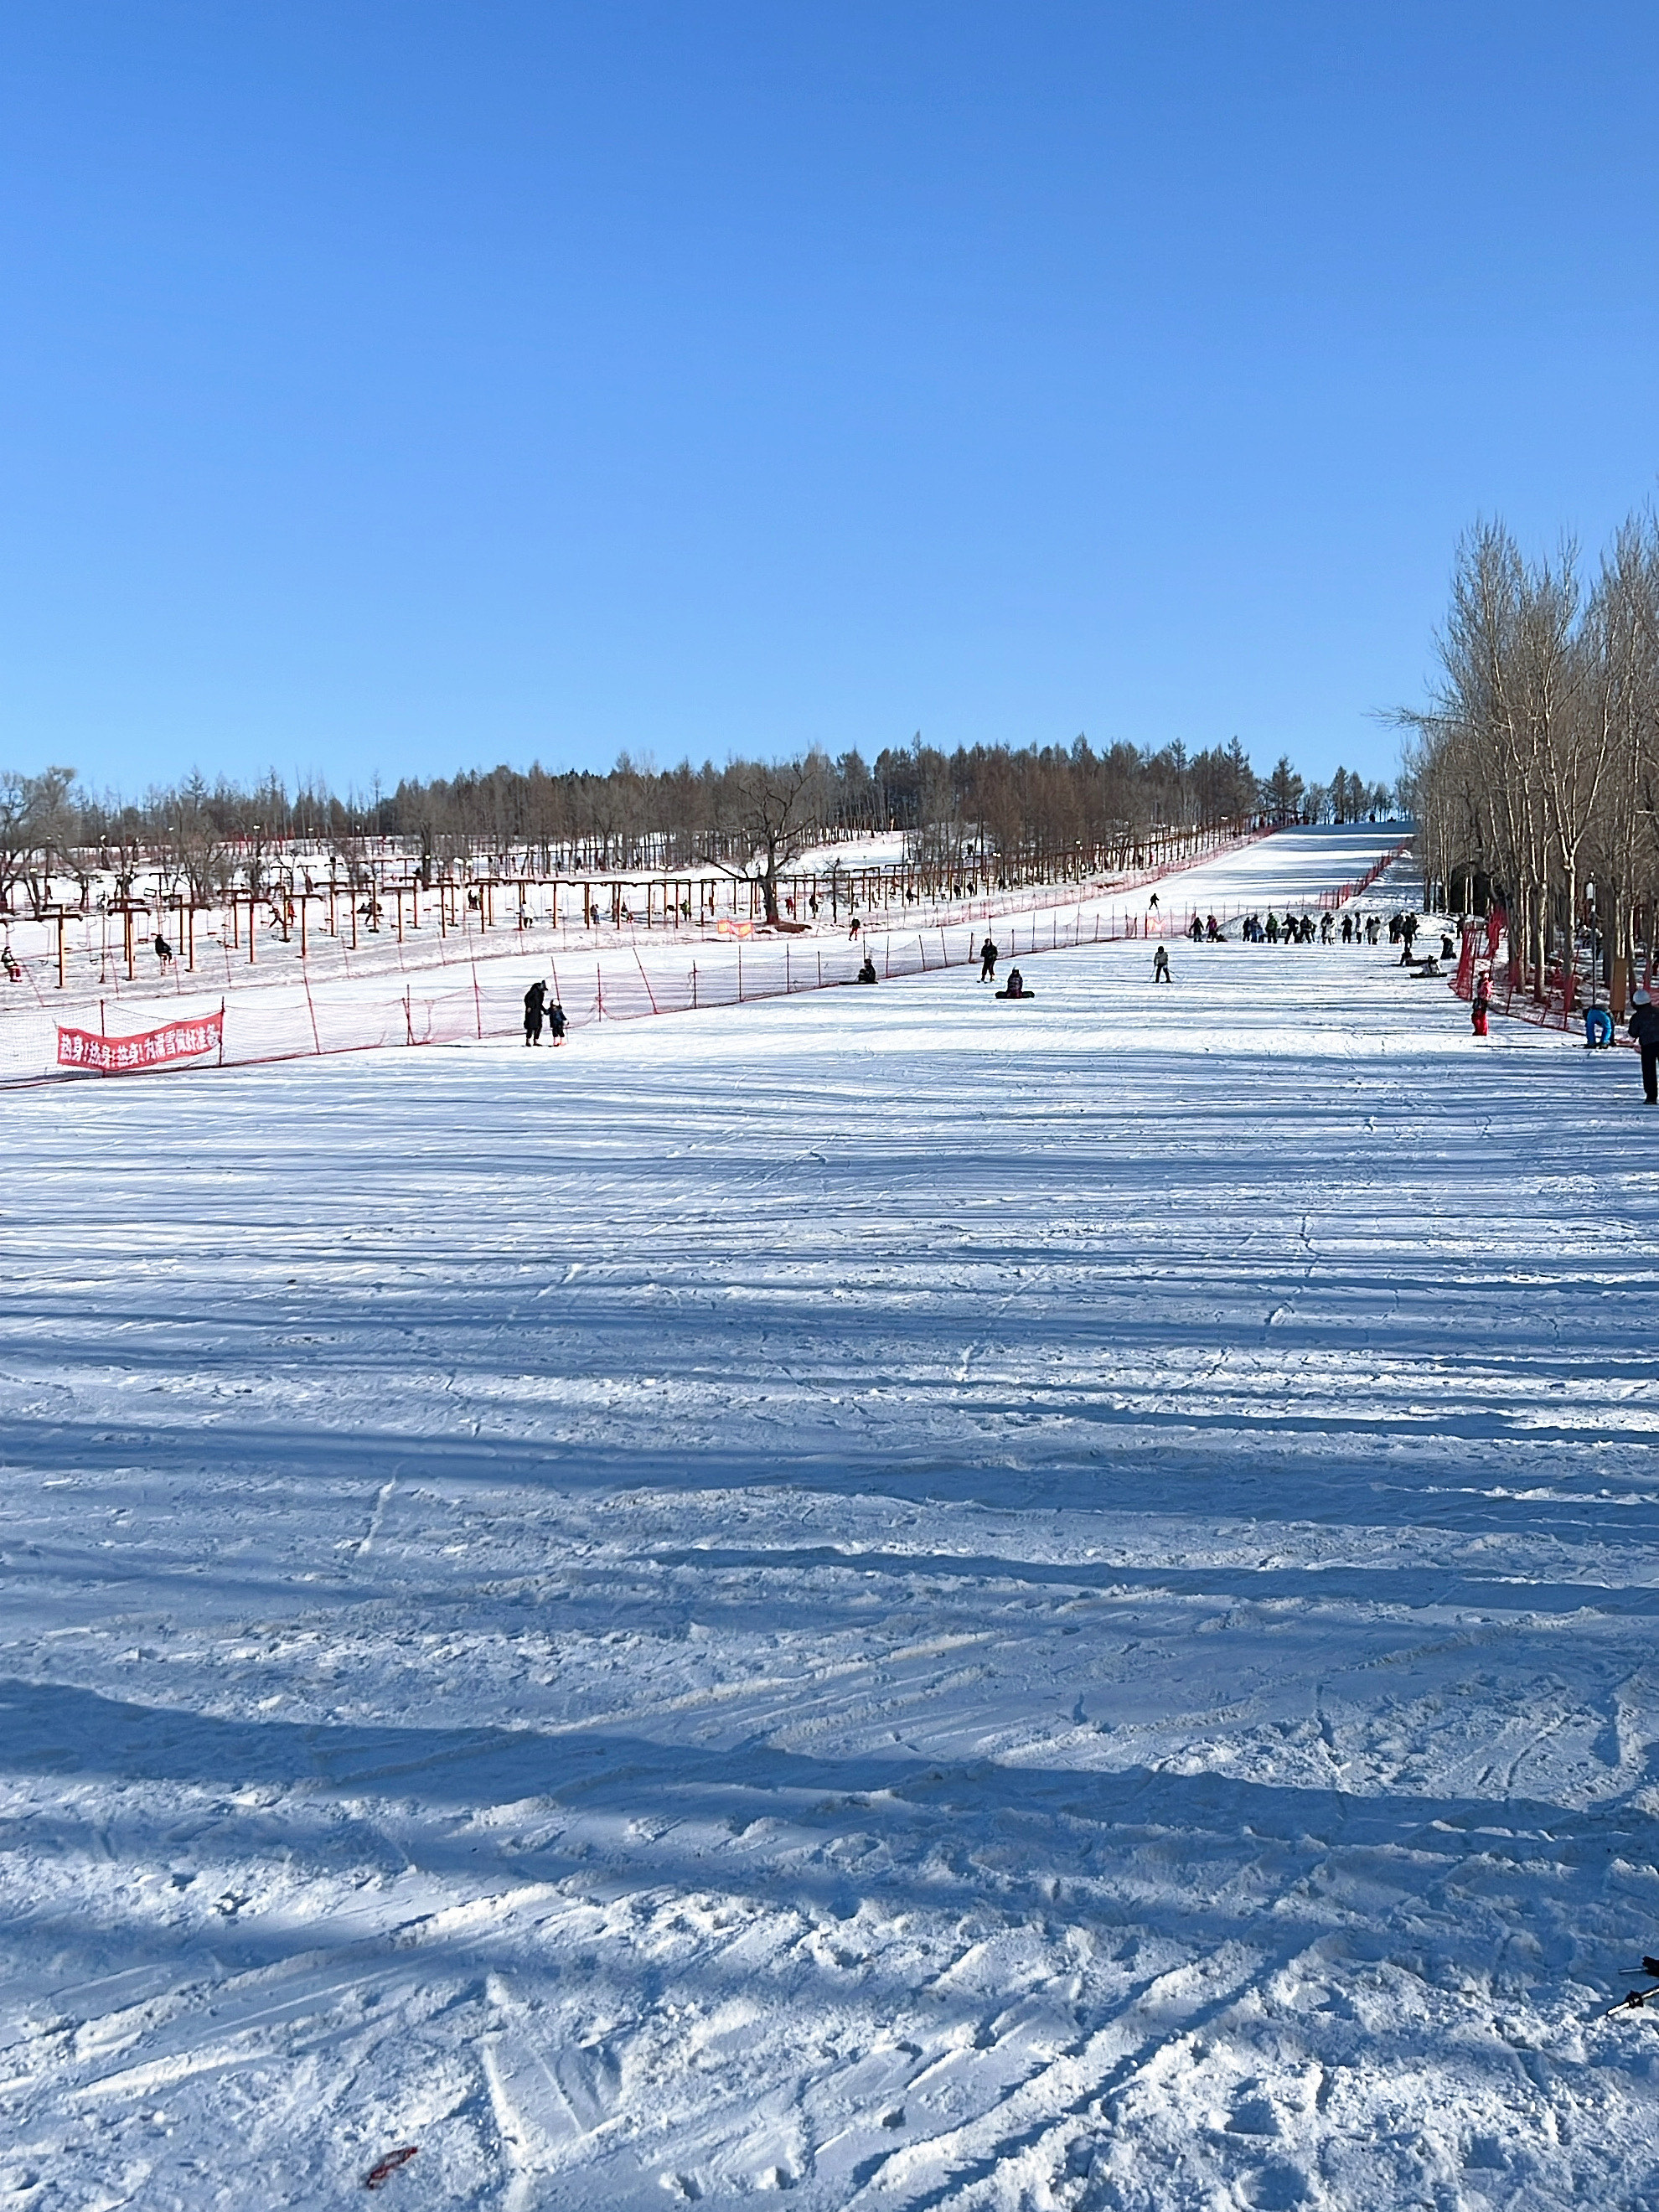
{"type": "Point", "coordinates": [1481, 1002]}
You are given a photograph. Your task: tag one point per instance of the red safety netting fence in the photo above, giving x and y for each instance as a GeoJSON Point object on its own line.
{"type": "Point", "coordinates": [485, 1000]}
{"type": "Point", "coordinates": [1485, 951]}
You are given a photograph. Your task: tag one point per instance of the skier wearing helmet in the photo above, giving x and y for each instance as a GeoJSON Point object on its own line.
{"type": "Point", "coordinates": [1643, 1026]}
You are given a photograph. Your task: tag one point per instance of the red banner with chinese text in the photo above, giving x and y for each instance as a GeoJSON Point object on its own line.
{"type": "Point", "coordinates": [162, 1047]}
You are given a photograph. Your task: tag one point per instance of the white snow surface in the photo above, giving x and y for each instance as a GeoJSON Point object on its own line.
{"type": "Point", "coordinates": [905, 1599]}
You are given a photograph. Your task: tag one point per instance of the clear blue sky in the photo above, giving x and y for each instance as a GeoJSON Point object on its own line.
{"type": "Point", "coordinates": [403, 387]}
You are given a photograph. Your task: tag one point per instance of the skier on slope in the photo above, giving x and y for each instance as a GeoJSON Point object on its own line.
{"type": "Point", "coordinates": [1643, 1026]}
{"type": "Point", "coordinates": [1161, 965]}
{"type": "Point", "coordinates": [556, 1023]}
{"type": "Point", "coordinates": [988, 956]}
{"type": "Point", "coordinates": [535, 1000]}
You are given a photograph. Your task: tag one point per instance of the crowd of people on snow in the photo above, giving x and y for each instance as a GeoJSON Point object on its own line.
{"type": "Point", "coordinates": [1292, 929]}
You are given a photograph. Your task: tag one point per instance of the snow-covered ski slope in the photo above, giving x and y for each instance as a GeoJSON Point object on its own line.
{"type": "Point", "coordinates": [459, 989]}
{"type": "Point", "coordinates": [924, 1601]}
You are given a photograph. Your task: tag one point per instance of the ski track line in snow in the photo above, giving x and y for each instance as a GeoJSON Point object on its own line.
{"type": "Point", "coordinates": [884, 1596]}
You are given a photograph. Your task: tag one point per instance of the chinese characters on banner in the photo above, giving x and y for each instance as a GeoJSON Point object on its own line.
{"type": "Point", "coordinates": [160, 1047]}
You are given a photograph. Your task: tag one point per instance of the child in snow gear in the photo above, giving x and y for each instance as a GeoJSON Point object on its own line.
{"type": "Point", "coordinates": [1480, 1004]}
{"type": "Point", "coordinates": [987, 961]}
{"type": "Point", "coordinates": [867, 972]}
{"type": "Point", "coordinates": [1160, 966]}
{"type": "Point", "coordinates": [556, 1023]}
{"type": "Point", "coordinates": [534, 999]}
{"type": "Point", "coordinates": [1643, 1026]}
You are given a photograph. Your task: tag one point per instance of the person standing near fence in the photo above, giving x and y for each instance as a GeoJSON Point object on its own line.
{"type": "Point", "coordinates": [1643, 1026]}
{"type": "Point", "coordinates": [988, 960]}
{"type": "Point", "coordinates": [1480, 1004]}
{"type": "Point", "coordinates": [556, 1023]}
{"type": "Point", "coordinates": [535, 1000]}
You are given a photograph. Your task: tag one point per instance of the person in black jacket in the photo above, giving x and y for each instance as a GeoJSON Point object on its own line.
{"type": "Point", "coordinates": [534, 999]}
{"type": "Point", "coordinates": [1643, 1026]}
{"type": "Point", "coordinates": [987, 960]}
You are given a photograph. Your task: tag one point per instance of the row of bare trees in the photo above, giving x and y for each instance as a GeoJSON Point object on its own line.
{"type": "Point", "coordinates": [1533, 772]}
{"type": "Point", "coordinates": [1021, 814]}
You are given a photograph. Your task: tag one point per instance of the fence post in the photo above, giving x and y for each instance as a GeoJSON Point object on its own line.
{"type": "Point", "coordinates": [478, 1002]}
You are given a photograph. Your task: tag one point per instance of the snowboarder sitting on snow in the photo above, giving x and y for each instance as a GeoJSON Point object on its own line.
{"type": "Point", "coordinates": [1160, 966]}
{"type": "Point", "coordinates": [1643, 1026]}
{"type": "Point", "coordinates": [556, 1023]}
{"type": "Point", "coordinates": [534, 999]}
{"type": "Point", "coordinates": [987, 961]}
{"type": "Point", "coordinates": [1015, 986]}
{"type": "Point", "coordinates": [867, 972]}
